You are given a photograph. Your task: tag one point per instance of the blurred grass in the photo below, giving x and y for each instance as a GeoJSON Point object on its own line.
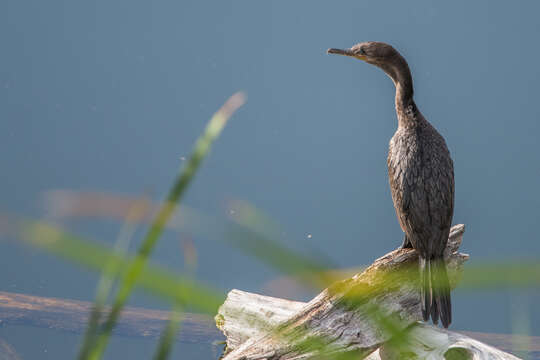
{"type": "Point", "coordinates": [50, 238]}
{"type": "Point", "coordinates": [483, 276]}
{"type": "Point", "coordinates": [160, 281]}
{"type": "Point", "coordinates": [167, 338]}
{"type": "Point", "coordinates": [106, 280]}
{"type": "Point", "coordinates": [128, 280]}
{"type": "Point", "coordinates": [154, 279]}
{"type": "Point", "coordinates": [513, 274]}
{"type": "Point", "coordinates": [248, 229]}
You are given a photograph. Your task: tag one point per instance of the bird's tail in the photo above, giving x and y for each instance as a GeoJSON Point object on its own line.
{"type": "Point", "coordinates": [435, 291]}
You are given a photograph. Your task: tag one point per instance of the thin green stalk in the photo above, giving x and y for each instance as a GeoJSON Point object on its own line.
{"type": "Point", "coordinates": [521, 325]}
{"type": "Point", "coordinates": [202, 146]}
{"type": "Point", "coordinates": [109, 274]}
{"type": "Point", "coordinates": [173, 325]}
{"type": "Point", "coordinates": [168, 335]}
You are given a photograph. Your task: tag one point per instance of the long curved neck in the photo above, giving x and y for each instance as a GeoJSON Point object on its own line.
{"type": "Point", "coordinates": [398, 70]}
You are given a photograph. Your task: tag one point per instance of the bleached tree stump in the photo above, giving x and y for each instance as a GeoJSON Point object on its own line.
{"type": "Point", "coordinates": [341, 317]}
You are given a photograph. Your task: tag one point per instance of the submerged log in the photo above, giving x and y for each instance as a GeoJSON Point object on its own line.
{"type": "Point", "coordinates": [72, 316]}
{"type": "Point", "coordinates": [341, 318]}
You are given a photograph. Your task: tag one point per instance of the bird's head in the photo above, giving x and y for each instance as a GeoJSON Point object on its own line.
{"type": "Point", "coordinates": [372, 52]}
{"type": "Point", "coordinates": [383, 56]}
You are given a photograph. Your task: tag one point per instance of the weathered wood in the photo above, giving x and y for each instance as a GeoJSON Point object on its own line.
{"type": "Point", "coordinates": [72, 316]}
{"type": "Point", "coordinates": [429, 342]}
{"type": "Point", "coordinates": [342, 315]}
{"type": "Point", "coordinates": [246, 315]}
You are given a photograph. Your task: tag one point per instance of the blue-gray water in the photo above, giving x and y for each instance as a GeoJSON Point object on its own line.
{"type": "Point", "coordinates": [109, 95]}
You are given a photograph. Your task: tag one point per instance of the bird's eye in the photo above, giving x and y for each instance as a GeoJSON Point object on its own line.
{"type": "Point", "coordinates": [360, 52]}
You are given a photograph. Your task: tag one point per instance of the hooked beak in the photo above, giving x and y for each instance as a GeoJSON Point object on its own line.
{"type": "Point", "coordinates": [346, 52]}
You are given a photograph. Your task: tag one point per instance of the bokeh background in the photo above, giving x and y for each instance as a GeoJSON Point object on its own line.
{"type": "Point", "coordinates": [110, 96]}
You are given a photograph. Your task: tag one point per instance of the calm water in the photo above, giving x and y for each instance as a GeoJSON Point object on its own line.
{"type": "Point", "coordinates": [109, 96]}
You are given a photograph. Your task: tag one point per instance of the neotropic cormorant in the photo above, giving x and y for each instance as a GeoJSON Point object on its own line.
{"type": "Point", "coordinates": [421, 175]}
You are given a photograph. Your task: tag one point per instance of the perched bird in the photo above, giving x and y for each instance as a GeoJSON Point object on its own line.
{"type": "Point", "coordinates": [421, 175]}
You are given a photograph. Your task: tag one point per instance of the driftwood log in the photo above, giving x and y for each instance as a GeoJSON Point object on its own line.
{"type": "Point", "coordinates": [342, 317]}
{"type": "Point", "coordinates": [71, 316]}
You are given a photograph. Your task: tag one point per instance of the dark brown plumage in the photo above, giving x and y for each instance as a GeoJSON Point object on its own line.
{"type": "Point", "coordinates": [421, 175]}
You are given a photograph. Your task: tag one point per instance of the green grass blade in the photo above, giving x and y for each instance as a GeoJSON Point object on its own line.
{"type": "Point", "coordinates": [202, 146]}
{"type": "Point", "coordinates": [524, 273]}
{"type": "Point", "coordinates": [156, 280]}
{"type": "Point", "coordinates": [106, 281]}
